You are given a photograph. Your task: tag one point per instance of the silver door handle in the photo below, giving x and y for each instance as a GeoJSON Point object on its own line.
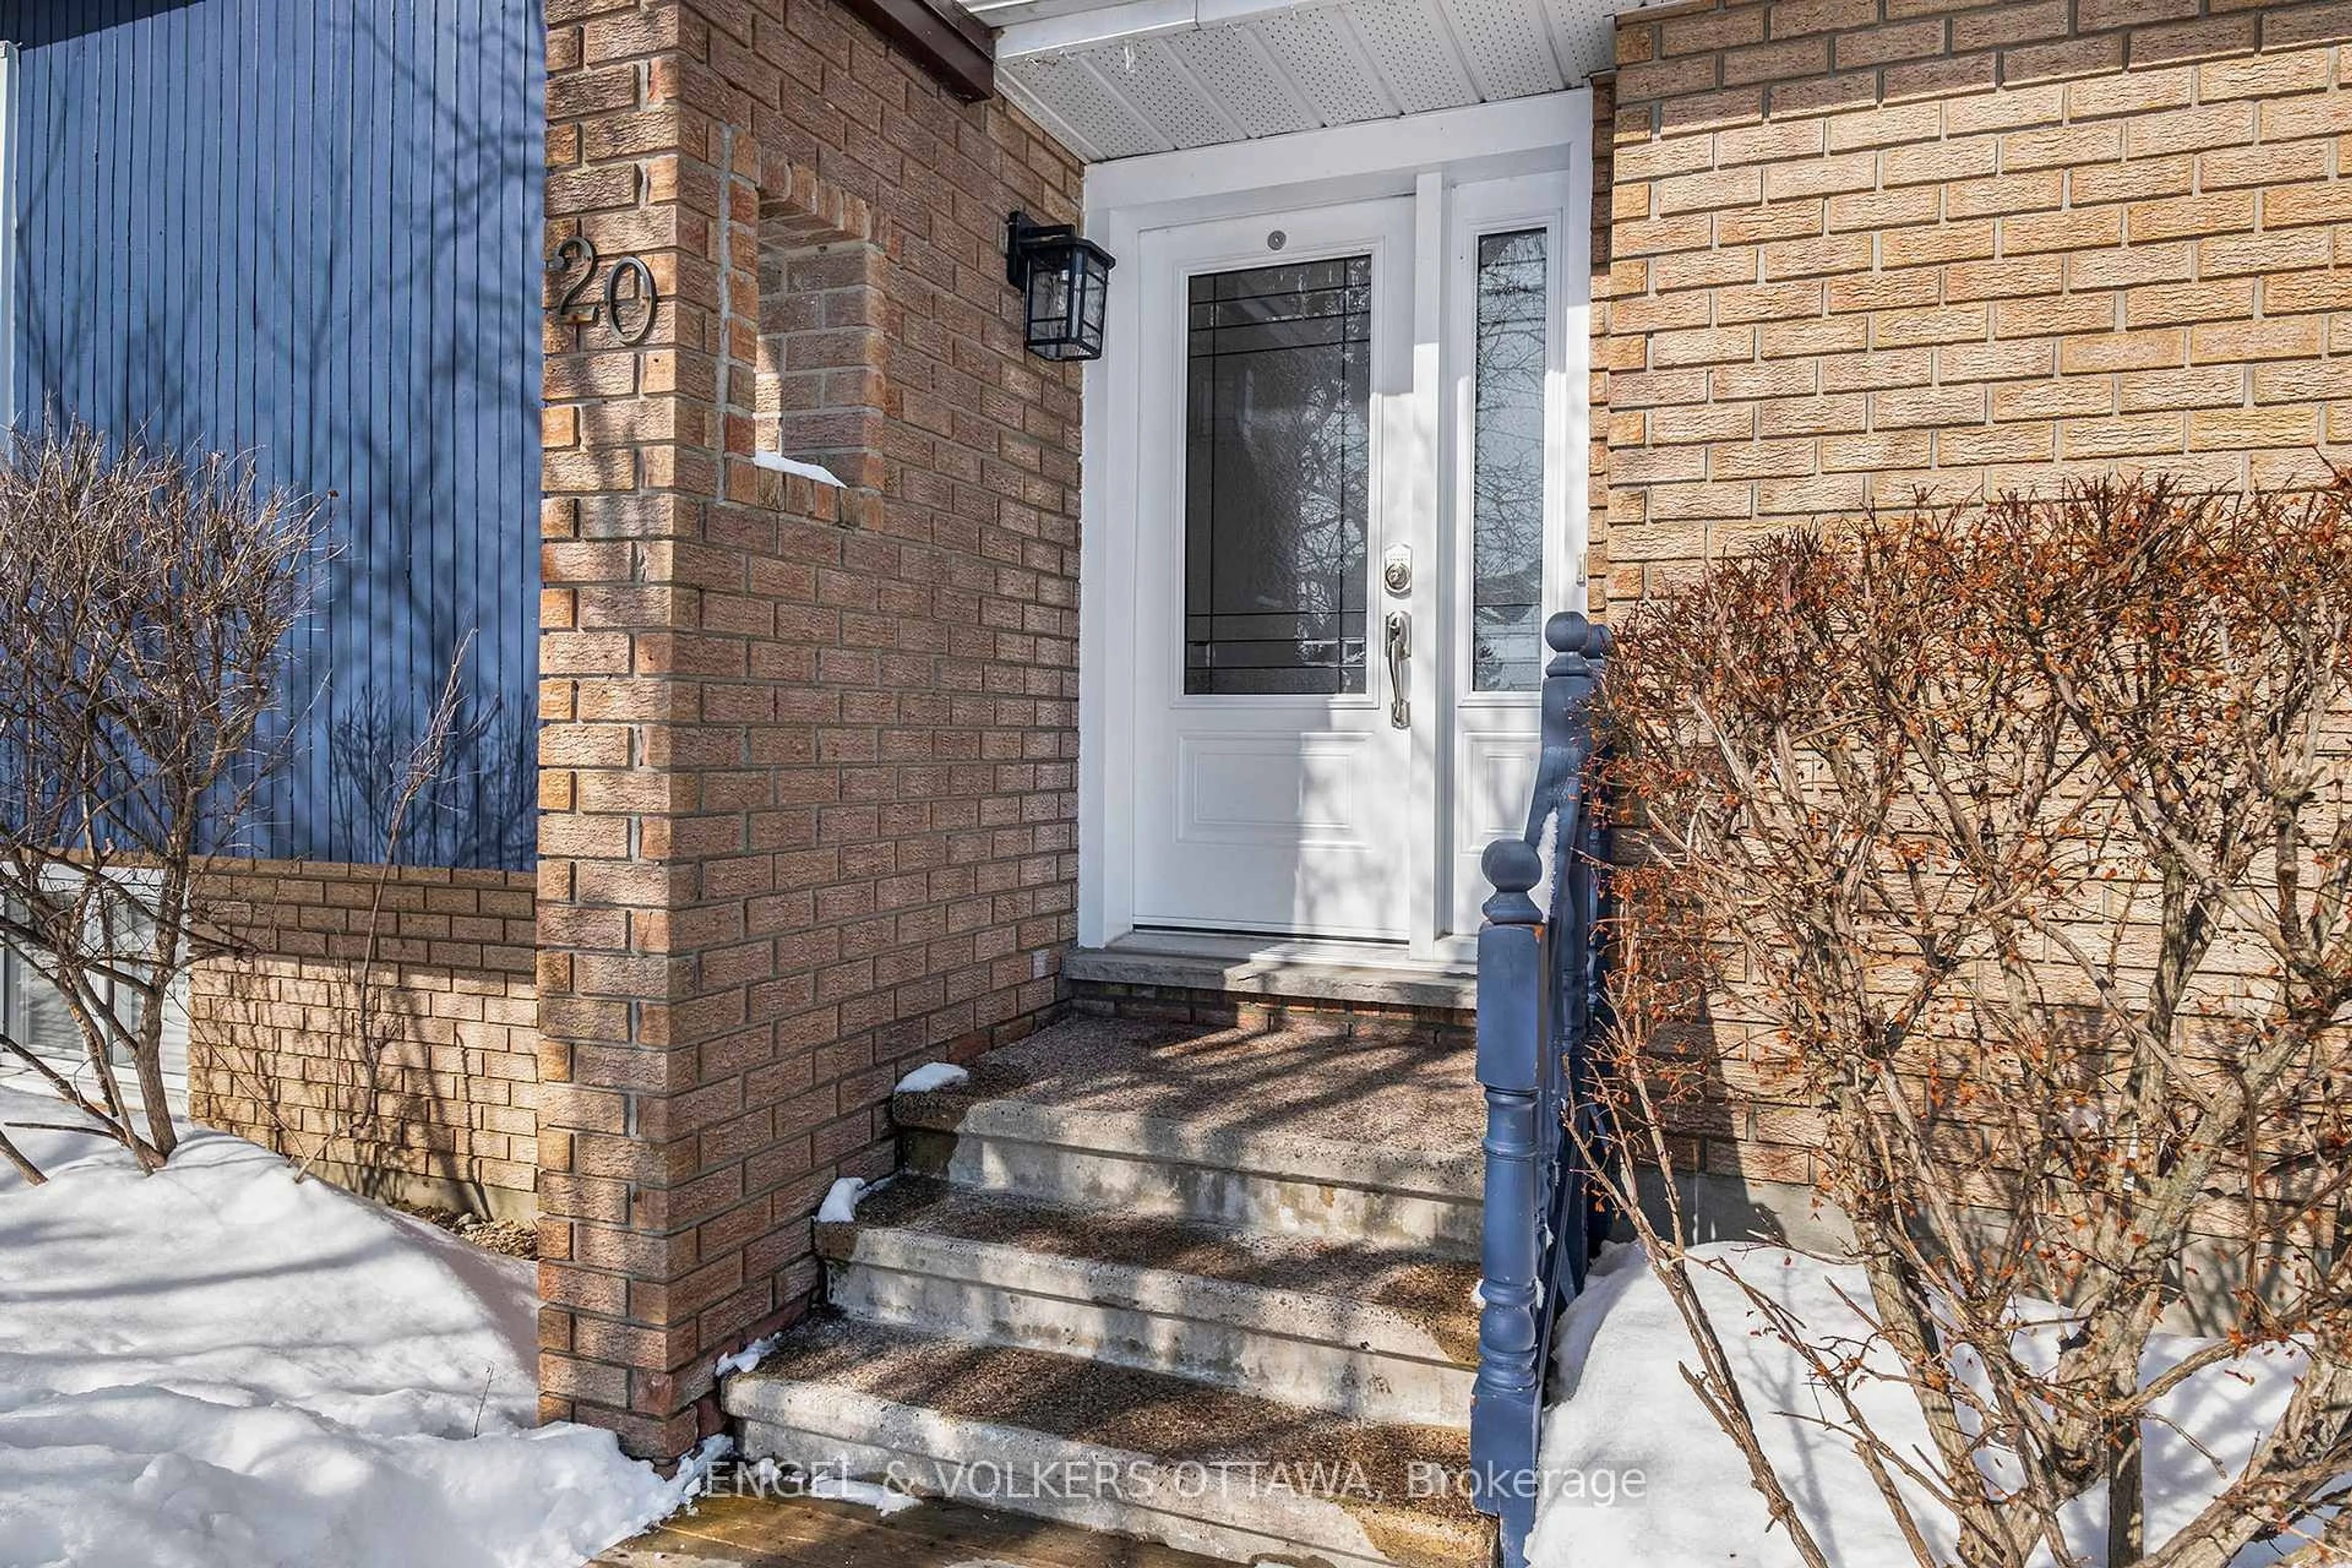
{"type": "Point", "coordinates": [1397, 638]}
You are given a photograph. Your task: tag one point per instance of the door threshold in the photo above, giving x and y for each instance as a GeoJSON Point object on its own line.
{"type": "Point", "coordinates": [1306, 968]}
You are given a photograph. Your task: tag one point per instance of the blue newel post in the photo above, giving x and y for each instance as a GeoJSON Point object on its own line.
{"type": "Point", "coordinates": [1507, 1406]}
{"type": "Point", "coordinates": [1535, 1002]}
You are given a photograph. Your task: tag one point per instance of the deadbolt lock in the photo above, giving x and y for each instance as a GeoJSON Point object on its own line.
{"type": "Point", "coordinates": [1396, 569]}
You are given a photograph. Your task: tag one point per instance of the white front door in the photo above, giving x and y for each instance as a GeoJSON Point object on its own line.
{"type": "Point", "coordinates": [1348, 439]}
{"type": "Point", "coordinates": [1275, 731]}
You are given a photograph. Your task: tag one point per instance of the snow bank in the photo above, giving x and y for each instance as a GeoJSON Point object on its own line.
{"type": "Point", "coordinates": [219, 1365]}
{"type": "Point", "coordinates": [1625, 1412]}
{"type": "Point", "coordinates": [931, 1076]}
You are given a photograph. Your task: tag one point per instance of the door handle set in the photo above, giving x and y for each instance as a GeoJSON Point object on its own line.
{"type": "Point", "coordinates": [1396, 637]}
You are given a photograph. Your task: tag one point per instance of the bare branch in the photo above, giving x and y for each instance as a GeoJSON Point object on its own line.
{"type": "Point", "coordinates": [2008, 851]}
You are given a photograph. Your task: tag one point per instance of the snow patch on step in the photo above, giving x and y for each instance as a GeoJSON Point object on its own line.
{"type": "Point", "coordinates": [747, 1358]}
{"type": "Point", "coordinates": [932, 1076]}
{"type": "Point", "coordinates": [840, 1205]}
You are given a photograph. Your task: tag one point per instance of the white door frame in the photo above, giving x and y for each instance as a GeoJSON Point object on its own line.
{"type": "Point", "coordinates": [1423, 156]}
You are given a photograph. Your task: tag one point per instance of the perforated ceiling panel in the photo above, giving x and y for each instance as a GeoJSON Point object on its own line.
{"type": "Point", "coordinates": [1587, 33]}
{"type": "Point", "coordinates": [1411, 43]}
{"type": "Point", "coordinates": [1147, 80]}
{"type": "Point", "coordinates": [1231, 63]}
{"type": "Point", "coordinates": [1316, 50]}
{"type": "Point", "coordinates": [1078, 98]}
{"type": "Point", "coordinates": [1275, 70]}
{"type": "Point", "coordinates": [1510, 52]}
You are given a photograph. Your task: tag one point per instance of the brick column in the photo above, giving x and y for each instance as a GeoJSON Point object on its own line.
{"type": "Point", "coordinates": [629, 446]}
{"type": "Point", "coordinates": [806, 770]}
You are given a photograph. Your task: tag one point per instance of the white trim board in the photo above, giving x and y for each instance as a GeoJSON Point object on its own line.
{"type": "Point", "coordinates": [1342, 162]}
{"type": "Point", "coordinates": [1028, 28]}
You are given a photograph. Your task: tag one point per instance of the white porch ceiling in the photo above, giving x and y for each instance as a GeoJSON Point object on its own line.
{"type": "Point", "coordinates": [1121, 80]}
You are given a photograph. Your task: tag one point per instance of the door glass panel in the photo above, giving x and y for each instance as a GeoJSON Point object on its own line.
{"type": "Point", "coordinates": [1507, 464]}
{"type": "Point", "coordinates": [1277, 478]}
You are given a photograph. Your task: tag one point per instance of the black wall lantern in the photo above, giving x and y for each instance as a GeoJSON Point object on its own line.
{"type": "Point", "coordinates": [1063, 281]}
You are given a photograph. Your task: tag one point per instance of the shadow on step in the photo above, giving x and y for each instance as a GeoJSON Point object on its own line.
{"type": "Point", "coordinates": [1405, 1085]}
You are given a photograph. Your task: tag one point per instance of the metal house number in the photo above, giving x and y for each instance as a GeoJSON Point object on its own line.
{"type": "Point", "coordinates": [641, 302]}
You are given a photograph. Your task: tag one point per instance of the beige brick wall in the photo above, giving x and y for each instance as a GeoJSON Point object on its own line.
{"type": "Point", "coordinates": [1862, 248]}
{"type": "Point", "coordinates": [808, 772]}
{"type": "Point", "coordinates": [434, 1099]}
{"type": "Point", "coordinates": [1602, 346]}
{"type": "Point", "coordinates": [1866, 245]}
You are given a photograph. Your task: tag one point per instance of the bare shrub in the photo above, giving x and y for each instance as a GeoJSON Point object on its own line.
{"type": "Point", "coordinates": [378, 1024]}
{"type": "Point", "coordinates": [2009, 846]}
{"type": "Point", "coordinates": [146, 602]}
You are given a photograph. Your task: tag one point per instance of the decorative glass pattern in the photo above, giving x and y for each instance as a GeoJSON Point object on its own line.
{"type": "Point", "coordinates": [1277, 478]}
{"type": "Point", "coordinates": [1507, 463]}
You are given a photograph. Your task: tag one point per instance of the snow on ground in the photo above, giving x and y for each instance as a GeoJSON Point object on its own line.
{"type": "Point", "coordinates": [219, 1365]}
{"type": "Point", "coordinates": [1625, 1411]}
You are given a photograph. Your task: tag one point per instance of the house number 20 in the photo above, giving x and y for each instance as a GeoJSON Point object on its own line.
{"type": "Point", "coordinates": [630, 315]}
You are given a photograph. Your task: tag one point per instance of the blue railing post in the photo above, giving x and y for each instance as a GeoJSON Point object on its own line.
{"type": "Point", "coordinates": [1538, 998]}
{"type": "Point", "coordinates": [1506, 1407]}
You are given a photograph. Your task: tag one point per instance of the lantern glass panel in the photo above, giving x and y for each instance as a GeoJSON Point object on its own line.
{"type": "Point", "coordinates": [1049, 300]}
{"type": "Point", "coordinates": [1095, 290]}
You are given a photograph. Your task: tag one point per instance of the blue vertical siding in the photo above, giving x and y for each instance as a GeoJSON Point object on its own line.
{"type": "Point", "coordinates": [311, 230]}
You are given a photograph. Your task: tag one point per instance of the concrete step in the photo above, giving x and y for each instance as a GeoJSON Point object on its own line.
{"type": "Point", "coordinates": [779, 1527]}
{"type": "Point", "coordinates": [1233, 1476]}
{"type": "Point", "coordinates": [1383, 1333]}
{"type": "Point", "coordinates": [1351, 1134]}
{"type": "Point", "coordinates": [1277, 969]}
